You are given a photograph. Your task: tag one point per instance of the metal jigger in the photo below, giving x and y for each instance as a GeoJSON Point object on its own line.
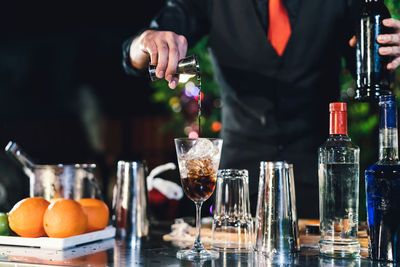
{"type": "Point", "coordinates": [188, 65]}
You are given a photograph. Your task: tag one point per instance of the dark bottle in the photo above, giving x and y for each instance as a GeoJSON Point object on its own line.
{"type": "Point", "coordinates": [383, 188]}
{"type": "Point", "coordinates": [373, 77]}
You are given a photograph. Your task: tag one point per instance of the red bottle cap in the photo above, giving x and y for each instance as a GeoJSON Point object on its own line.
{"type": "Point", "coordinates": [337, 106]}
{"type": "Point", "coordinates": [338, 118]}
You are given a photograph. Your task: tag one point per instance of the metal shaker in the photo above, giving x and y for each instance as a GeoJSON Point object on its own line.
{"type": "Point", "coordinates": [130, 201]}
{"type": "Point", "coordinates": [276, 229]}
{"type": "Point", "coordinates": [188, 65]}
{"type": "Point", "coordinates": [72, 181]}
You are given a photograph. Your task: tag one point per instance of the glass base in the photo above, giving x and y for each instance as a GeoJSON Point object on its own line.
{"type": "Point", "coordinates": [197, 255]}
{"type": "Point", "coordinates": [248, 249]}
{"type": "Point", "coordinates": [339, 249]}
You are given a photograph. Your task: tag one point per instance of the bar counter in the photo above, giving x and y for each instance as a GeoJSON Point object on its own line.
{"type": "Point", "coordinates": [153, 251]}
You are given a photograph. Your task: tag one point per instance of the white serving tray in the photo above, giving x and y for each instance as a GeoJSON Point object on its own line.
{"type": "Point", "coordinates": [36, 255]}
{"type": "Point", "coordinates": [58, 243]}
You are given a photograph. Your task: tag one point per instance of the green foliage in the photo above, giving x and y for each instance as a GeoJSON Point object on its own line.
{"type": "Point", "coordinates": [394, 7]}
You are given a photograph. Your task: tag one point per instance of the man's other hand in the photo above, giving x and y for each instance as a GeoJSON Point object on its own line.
{"type": "Point", "coordinates": [392, 42]}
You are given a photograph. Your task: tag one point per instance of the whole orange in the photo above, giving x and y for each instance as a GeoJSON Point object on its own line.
{"type": "Point", "coordinates": [64, 218]}
{"type": "Point", "coordinates": [97, 212]}
{"type": "Point", "coordinates": [26, 217]}
{"type": "Point", "coordinates": [55, 199]}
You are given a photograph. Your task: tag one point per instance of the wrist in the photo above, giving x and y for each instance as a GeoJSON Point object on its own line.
{"type": "Point", "coordinates": [138, 58]}
{"type": "Point", "coordinates": [126, 58]}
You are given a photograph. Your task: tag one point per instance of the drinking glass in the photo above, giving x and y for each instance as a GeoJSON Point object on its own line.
{"type": "Point", "coordinates": [232, 228]}
{"type": "Point", "coordinates": [276, 233]}
{"type": "Point", "coordinates": [198, 161]}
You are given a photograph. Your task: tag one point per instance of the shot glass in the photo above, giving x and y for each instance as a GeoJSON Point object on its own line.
{"type": "Point", "coordinates": [232, 228]}
{"type": "Point", "coordinates": [276, 229]}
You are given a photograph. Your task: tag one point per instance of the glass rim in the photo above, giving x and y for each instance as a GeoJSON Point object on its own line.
{"type": "Point", "coordinates": [192, 139]}
{"type": "Point", "coordinates": [239, 173]}
{"type": "Point", "coordinates": [275, 164]}
{"type": "Point", "coordinates": [131, 163]}
{"type": "Point", "coordinates": [62, 166]}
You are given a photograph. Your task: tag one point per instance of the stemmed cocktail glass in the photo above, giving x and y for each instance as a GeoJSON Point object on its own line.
{"type": "Point", "coordinates": [198, 161]}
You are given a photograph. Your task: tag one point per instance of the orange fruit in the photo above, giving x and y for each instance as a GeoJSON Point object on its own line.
{"type": "Point", "coordinates": [55, 199]}
{"type": "Point", "coordinates": [26, 217]}
{"type": "Point", "coordinates": [97, 212]}
{"type": "Point", "coordinates": [64, 218]}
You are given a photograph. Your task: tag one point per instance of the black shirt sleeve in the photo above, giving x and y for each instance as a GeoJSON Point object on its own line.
{"type": "Point", "coordinates": [190, 18]}
{"type": "Point", "coordinates": [352, 17]}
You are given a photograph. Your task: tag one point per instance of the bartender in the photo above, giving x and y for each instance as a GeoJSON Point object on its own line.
{"type": "Point", "coordinates": [277, 63]}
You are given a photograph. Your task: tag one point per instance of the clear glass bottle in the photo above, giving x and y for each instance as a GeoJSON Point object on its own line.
{"type": "Point", "coordinates": [338, 175]}
{"type": "Point", "coordinates": [382, 181]}
{"type": "Point", "coordinates": [373, 77]}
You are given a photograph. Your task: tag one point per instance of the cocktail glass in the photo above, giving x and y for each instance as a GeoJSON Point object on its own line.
{"type": "Point", "coordinates": [198, 161]}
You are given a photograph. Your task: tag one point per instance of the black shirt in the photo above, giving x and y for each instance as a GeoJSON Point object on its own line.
{"type": "Point", "coordinates": [274, 107]}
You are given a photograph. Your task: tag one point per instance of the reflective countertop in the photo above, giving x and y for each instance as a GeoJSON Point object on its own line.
{"type": "Point", "coordinates": [153, 251]}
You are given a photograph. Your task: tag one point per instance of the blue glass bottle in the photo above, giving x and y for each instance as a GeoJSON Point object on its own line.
{"type": "Point", "coordinates": [383, 188]}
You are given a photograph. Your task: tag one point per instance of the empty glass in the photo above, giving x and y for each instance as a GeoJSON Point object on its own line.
{"type": "Point", "coordinates": [232, 225]}
{"type": "Point", "coordinates": [198, 161]}
{"type": "Point", "coordinates": [276, 229]}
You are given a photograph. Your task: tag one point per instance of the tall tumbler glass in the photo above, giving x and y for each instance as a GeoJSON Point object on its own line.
{"type": "Point", "coordinates": [198, 161]}
{"type": "Point", "coordinates": [276, 229]}
{"type": "Point", "coordinates": [232, 228]}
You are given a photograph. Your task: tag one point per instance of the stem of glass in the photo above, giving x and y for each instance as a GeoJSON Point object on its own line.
{"type": "Point", "coordinates": [197, 243]}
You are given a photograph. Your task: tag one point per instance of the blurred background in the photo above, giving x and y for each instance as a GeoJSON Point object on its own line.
{"type": "Point", "coordinates": [66, 99]}
{"type": "Point", "coordinates": [64, 95]}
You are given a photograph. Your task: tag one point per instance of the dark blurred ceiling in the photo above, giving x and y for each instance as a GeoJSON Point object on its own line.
{"type": "Point", "coordinates": [51, 50]}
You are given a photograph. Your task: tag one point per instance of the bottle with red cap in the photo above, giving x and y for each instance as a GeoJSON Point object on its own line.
{"type": "Point", "coordinates": [338, 174]}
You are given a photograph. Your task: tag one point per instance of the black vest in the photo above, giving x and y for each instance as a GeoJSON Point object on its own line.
{"type": "Point", "coordinates": [276, 108]}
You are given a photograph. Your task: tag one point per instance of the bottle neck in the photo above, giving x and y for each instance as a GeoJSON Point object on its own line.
{"type": "Point", "coordinates": [388, 134]}
{"type": "Point", "coordinates": [388, 145]}
{"type": "Point", "coordinates": [338, 123]}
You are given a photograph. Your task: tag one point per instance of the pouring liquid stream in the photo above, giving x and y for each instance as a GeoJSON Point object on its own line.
{"type": "Point", "coordinates": [199, 101]}
{"type": "Point", "coordinates": [187, 66]}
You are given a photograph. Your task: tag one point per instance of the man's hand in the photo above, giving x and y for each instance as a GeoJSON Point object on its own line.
{"type": "Point", "coordinates": [393, 42]}
{"type": "Point", "coordinates": [161, 48]}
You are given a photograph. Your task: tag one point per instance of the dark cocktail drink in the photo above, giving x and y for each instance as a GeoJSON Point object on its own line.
{"type": "Point", "coordinates": [200, 181]}
{"type": "Point", "coordinates": [198, 161]}
{"type": "Point", "coordinates": [199, 189]}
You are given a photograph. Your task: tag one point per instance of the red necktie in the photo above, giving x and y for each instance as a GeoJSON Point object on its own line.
{"type": "Point", "coordinates": [279, 26]}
